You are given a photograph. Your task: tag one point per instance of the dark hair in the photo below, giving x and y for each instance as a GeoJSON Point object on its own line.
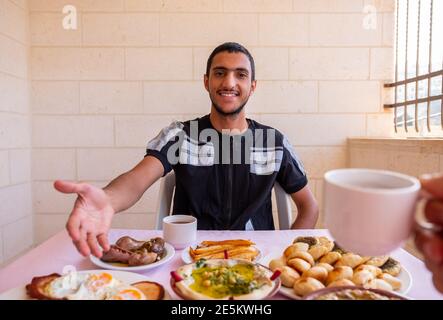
{"type": "Point", "coordinates": [231, 47]}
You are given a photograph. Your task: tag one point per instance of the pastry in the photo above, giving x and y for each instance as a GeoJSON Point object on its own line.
{"type": "Point", "coordinates": [277, 263]}
{"type": "Point", "coordinates": [392, 267]}
{"type": "Point", "coordinates": [331, 257]}
{"type": "Point", "coordinates": [302, 255]}
{"type": "Point", "coordinates": [295, 248]}
{"type": "Point", "coordinates": [362, 277]}
{"type": "Point", "coordinates": [299, 265]}
{"type": "Point", "coordinates": [327, 266]}
{"type": "Point", "coordinates": [288, 276]}
{"type": "Point", "coordinates": [318, 251]}
{"type": "Point", "coordinates": [376, 271]}
{"type": "Point", "coordinates": [378, 284]}
{"type": "Point", "coordinates": [316, 272]}
{"type": "Point", "coordinates": [324, 241]}
{"type": "Point", "coordinates": [304, 286]}
{"type": "Point", "coordinates": [310, 241]}
{"type": "Point", "coordinates": [393, 281]}
{"type": "Point", "coordinates": [377, 261]}
{"type": "Point", "coordinates": [349, 259]}
{"type": "Point", "coordinates": [338, 273]}
{"type": "Point", "coordinates": [341, 283]}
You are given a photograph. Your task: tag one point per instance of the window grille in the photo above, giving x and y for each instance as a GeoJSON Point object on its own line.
{"type": "Point", "coordinates": [418, 79]}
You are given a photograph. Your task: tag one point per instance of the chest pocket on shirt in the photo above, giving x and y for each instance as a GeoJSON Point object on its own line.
{"type": "Point", "coordinates": [265, 161]}
{"type": "Point", "coordinates": [193, 154]}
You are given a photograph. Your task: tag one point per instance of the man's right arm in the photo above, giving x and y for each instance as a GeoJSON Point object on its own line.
{"type": "Point", "coordinates": [125, 190]}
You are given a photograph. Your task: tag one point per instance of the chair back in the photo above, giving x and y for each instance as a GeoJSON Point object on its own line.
{"type": "Point", "coordinates": [167, 186]}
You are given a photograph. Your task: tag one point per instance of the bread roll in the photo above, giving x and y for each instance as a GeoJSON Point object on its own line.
{"type": "Point", "coordinates": [318, 251]}
{"type": "Point", "coordinates": [393, 281]}
{"type": "Point", "coordinates": [310, 241]}
{"type": "Point", "coordinates": [339, 273]}
{"type": "Point", "coordinates": [341, 283]}
{"type": "Point", "coordinates": [392, 267]}
{"type": "Point", "coordinates": [378, 284]}
{"type": "Point", "coordinates": [324, 241]}
{"type": "Point", "coordinates": [316, 272]}
{"type": "Point", "coordinates": [288, 276]}
{"type": "Point", "coordinates": [327, 266]}
{"type": "Point", "coordinates": [377, 261]}
{"type": "Point", "coordinates": [376, 271]}
{"type": "Point", "coordinates": [302, 255]}
{"type": "Point", "coordinates": [304, 286]}
{"type": "Point", "coordinates": [362, 277]}
{"type": "Point", "coordinates": [278, 263]}
{"type": "Point", "coordinates": [330, 257]}
{"type": "Point", "coordinates": [299, 265]}
{"type": "Point", "coordinates": [299, 246]}
{"type": "Point", "coordinates": [349, 259]}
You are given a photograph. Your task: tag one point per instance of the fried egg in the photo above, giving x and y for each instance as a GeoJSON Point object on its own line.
{"type": "Point", "coordinates": [63, 286]}
{"type": "Point", "coordinates": [79, 286]}
{"type": "Point", "coordinates": [126, 293]}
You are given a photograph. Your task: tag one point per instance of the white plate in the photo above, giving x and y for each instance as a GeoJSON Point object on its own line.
{"type": "Point", "coordinates": [19, 293]}
{"type": "Point", "coordinates": [170, 251]}
{"type": "Point", "coordinates": [404, 277]}
{"type": "Point", "coordinates": [186, 257]}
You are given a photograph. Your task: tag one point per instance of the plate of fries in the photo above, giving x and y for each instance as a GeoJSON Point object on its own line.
{"type": "Point", "coordinates": [235, 249]}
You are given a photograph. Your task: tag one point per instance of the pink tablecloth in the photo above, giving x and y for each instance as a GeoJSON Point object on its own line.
{"type": "Point", "coordinates": [58, 252]}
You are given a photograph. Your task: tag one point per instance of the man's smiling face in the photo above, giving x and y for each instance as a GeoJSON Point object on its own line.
{"type": "Point", "coordinates": [229, 82]}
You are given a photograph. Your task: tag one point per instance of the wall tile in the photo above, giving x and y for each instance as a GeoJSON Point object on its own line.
{"type": "Point", "coordinates": [48, 200]}
{"type": "Point", "coordinates": [17, 237]}
{"type": "Point", "coordinates": [48, 225]}
{"type": "Point", "coordinates": [258, 6]}
{"type": "Point", "coordinates": [20, 165]}
{"type": "Point", "coordinates": [14, 131]}
{"type": "Point", "coordinates": [106, 164]}
{"type": "Point", "coordinates": [174, 5]}
{"type": "Point", "coordinates": [73, 131]}
{"type": "Point", "coordinates": [284, 29]}
{"type": "Point", "coordinates": [136, 131]}
{"type": "Point", "coordinates": [77, 63]}
{"type": "Point", "coordinates": [47, 30]}
{"type": "Point", "coordinates": [111, 97]}
{"type": "Point", "coordinates": [4, 168]}
{"type": "Point", "coordinates": [176, 97]}
{"type": "Point", "coordinates": [53, 164]}
{"type": "Point", "coordinates": [159, 64]}
{"type": "Point", "coordinates": [344, 30]}
{"type": "Point", "coordinates": [349, 96]}
{"type": "Point", "coordinates": [205, 30]}
{"type": "Point", "coordinates": [328, 5]}
{"type": "Point", "coordinates": [80, 5]}
{"type": "Point", "coordinates": [285, 97]}
{"type": "Point", "coordinates": [14, 94]}
{"type": "Point", "coordinates": [315, 130]}
{"type": "Point", "coordinates": [55, 97]}
{"type": "Point", "coordinates": [15, 203]}
{"type": "Point", "coordinates": [329, 63]}
{"type": "Point", "coordinates": [130, 29]}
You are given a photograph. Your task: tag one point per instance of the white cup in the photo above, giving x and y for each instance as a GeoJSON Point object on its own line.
{"type": "Point", "coordinates": [369, 212]}
{"type": "Point", "coordinates": [180, 230]}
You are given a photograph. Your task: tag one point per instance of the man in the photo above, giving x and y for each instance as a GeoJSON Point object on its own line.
{"type": "Point", "coordinates": [225, 165]}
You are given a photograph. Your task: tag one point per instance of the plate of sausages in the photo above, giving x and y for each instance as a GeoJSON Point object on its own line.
{"type": "Point", "coordinates": [129, 254]}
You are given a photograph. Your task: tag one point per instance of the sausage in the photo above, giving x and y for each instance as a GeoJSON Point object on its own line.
{"type": "Point", "coordinates": [130, 244]}
{"type": "Point", "coordinates": [142, 258]}
{"type": "Point", "coordinates": [116, 254]}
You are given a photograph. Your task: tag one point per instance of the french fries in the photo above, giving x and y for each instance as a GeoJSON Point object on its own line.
{"type": "Point", "coordinates": [237, 249]}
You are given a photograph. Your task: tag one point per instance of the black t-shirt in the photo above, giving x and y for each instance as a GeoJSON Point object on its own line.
{"type": "Point", "coordinates": [224, 180]}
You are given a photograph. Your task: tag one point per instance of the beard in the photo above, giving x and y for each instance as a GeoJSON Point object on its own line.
{"type": "Point", "coordinates": [230, 113]}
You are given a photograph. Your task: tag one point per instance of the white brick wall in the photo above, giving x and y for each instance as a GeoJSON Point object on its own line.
{"type": "Point", "coordinates": [100, 92]}
{"type": "Point", "coordinates": [16, 229]}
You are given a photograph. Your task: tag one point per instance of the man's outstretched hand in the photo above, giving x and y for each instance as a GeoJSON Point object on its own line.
{"type": "Point", "coordinates": [90, 219]}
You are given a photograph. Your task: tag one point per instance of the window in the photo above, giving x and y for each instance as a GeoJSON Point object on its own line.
{"type": "Point", "coordinates": [418, 84]}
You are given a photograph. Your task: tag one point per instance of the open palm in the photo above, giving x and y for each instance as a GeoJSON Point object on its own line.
{"type": "Point", "coordinates": [90, 219]}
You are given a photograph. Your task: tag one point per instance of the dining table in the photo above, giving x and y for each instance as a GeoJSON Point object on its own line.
{"type": "Point", "coordinates": [58, 254]}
